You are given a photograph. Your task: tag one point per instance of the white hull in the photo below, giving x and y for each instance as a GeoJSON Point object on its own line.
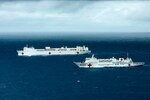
{"type": "Point", "coordinates": [83, 65]}
{"type": "Point", "coordinates": [30, 51]}
{"type": "Point", "coordinates": [50, 53]}
{"type": "Point", "coordinates": [86, 65]}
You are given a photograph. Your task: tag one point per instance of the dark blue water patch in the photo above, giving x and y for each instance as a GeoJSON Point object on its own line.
{"type": "Point", "coordinates": [58, 78]}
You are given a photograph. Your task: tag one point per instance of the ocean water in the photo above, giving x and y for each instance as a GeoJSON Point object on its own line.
{"type": "Point", "coordinates": [58, 78]}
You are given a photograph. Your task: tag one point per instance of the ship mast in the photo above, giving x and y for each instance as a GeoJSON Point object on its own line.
{"type": "Point", "coordinates": [127, 55]}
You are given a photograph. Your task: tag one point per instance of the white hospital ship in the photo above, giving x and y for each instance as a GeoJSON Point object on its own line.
{"type": "Point", "coordinates": [93, 62]}
{"type": "Point", "coordinates": [48, 51]}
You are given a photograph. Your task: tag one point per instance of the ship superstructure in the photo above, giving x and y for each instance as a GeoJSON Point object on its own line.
{"type": "Point", "coordinates": [48, 51]}
{"type": "Point", "coordinates": [93, 62]}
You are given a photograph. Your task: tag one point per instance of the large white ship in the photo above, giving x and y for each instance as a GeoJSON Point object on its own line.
{"type": "Point", "coordinates": [47, 51]}
{"type": "Point", "coordinates": [93, 62]}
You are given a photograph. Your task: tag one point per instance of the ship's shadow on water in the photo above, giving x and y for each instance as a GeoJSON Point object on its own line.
{"type": "Point", "coordinates": [58, 78]}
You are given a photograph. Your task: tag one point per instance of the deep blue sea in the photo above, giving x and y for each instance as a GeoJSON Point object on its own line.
{"type": "Point", "coordinates": [58, 78]}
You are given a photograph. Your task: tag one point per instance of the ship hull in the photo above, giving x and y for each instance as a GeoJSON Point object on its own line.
{"type": "Point", "coordinates": [50, 53]}
{"type": "Point", "coordinates": [86, 65]}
